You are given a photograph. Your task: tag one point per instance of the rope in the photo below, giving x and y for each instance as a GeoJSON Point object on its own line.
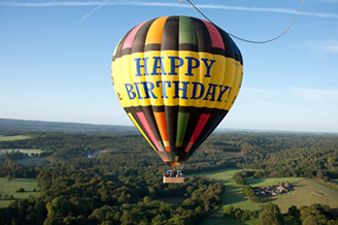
{"type": "Point", "coordinates": [284, 32]}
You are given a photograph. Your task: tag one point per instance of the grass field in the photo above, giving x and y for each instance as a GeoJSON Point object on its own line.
{"type": "Point", "coordinates": [232, 194]}
{"type": "Point", "coordinates": [307, 192]}
{"type": "Point", "coordinates": [24, 151]}
{"type": "Point", "coordinates": [227, 221]}
{"type": "Point", "coordinates": [11, 186]}
{"type": "Point", "coordinates": [259, 182]}
{"type": "Point", "coordinates": [14, 138]}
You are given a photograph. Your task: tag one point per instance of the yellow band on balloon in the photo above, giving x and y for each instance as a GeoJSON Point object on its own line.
{"type": "Point", "coordinates": [177, 78]}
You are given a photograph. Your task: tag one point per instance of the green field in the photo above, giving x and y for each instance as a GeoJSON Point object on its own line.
{"type": "Point", "coordinates": [259, 182]}
{"type": "Point", "coordinates": [11, 186]}
{"type": "Point", "coordinates": [14, 138]}
{"type": "Point", "coordinates": [24, 151]}
{"type": "Point", "coordinates": [307, 192]}
{"type": "Point", "coordinates": [232, 194]}
{"type": "Point", "coordinates": [216, 220]}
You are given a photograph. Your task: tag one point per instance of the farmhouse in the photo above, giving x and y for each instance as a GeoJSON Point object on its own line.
{"type": "Point", "coordinates": [273, 190]}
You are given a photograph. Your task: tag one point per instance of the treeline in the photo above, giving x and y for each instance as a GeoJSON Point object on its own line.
{"type": "Point", "coordinates": [61, 141]}
{"type": "Point", "coordinates": [301, 162]}
{"type": "Point", "coordinates": [273, 155]}
{"type": "Point", "coordinates": [10, 168]}
{"type": "Point", "coordinates": [116, 197]}
{"type": "Point", "coordinates": [293, 155]}
{"type": "Point", "coordinates": [247, 190]}
{"type": "Point", "coordinates": [72, 150]}
{"type": "Point", "coordinates": [315, 214]}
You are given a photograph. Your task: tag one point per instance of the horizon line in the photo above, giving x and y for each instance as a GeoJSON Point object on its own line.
{"type": "Point", "coordinates": [218, 128]}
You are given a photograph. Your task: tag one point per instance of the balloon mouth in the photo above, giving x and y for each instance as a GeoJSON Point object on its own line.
{"type": "Point", "coordinates": [175, 165]}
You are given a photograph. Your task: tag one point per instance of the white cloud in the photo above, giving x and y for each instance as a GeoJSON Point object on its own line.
{"type": "Point", "coordinates": [164, 4]}
{"type": "Point", "coordinates": [298, 108]}
{"type": "Point", "coordinates": [330, 47]}
{"type": "Point", "coordinates": [302, 93]}
{"type": "Point", "coordinates": [271, 99]}
{"type": "Point", "coordinates": [260, 91]}
{"type": "Point", "coordinates": [317, 95]}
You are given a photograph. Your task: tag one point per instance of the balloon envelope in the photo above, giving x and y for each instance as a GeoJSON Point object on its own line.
{"type": "Point", "coordinates": [176, 77]}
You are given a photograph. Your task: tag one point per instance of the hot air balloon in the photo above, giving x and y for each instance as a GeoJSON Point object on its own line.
{"type": "Point", "coordinates": [176, 77]}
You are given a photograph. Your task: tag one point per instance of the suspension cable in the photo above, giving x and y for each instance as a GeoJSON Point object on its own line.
{"type": "Point", "coordinates": [284, 32]}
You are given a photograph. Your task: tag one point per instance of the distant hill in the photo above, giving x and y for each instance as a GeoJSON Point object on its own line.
{"type": "Point", "coordinates": [13, 127]}
{"type": "Point", "coordinates": [10, 127]}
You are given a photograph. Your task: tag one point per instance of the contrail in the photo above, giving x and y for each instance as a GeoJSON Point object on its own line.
{"type": "Point", "coordinates": [92, 12]}
{"type": "Point", "coordinates": [99, 4]}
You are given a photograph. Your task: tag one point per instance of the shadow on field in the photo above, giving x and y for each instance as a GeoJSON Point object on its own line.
{"type": "Point", "coordinates": [297, 185]}
{"type": "Point", "coordinates": [267, 199]}
{"type": "Point", "coordinates": [233, 195]}
{"type": "Point", "coordinates": [253, 181]}
{"type": "Point", "coordinates": [223, 220]}
{"type": "Point", "coordinates": [231, 221]}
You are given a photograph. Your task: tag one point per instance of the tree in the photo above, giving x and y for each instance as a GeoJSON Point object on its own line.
{"type": "Point", "coordinates": [316, 214]}
{"type": "Point", "coordinates": [248, 191]}
{"type": "Point", "coordinates": [176, 220]}
{"type": "Point", "coordinates": [271, 215]}
{"type": "Point", "coordinates": [229, 211]}
{"type": "Point", "coordinates": [57, 209]}
{"type": "Point", "coordinates": [158, 220]}
{"type": "Point", "coordinates": [104, 213]}
{"type": "Point", "coordinates": [53, 221]}
{"type": "Point", "coordinates": [238, 178]}
{"type": "Point", "coordinates": [71, 220]}
{"type": "Point", "coordinates": [107, 223]}
{"type": "Point", "coordinates": [130, 217]}
{"type": "Point", "coordinates": [315, 220]}
{"type": "Point", "coordinates": [294, 211]}
{"type": "Point", "coordinates": [21, 190]}
{"type": "Point", "coordinates": [60, 206]}
{"type": "Point", "coordinates": [293, 216]}
{"type": "Point", "coordinates": [9, 177]}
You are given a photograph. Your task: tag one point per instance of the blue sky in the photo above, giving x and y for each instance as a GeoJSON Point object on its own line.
{"type": "Point", "coordinates": [55, 60]}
